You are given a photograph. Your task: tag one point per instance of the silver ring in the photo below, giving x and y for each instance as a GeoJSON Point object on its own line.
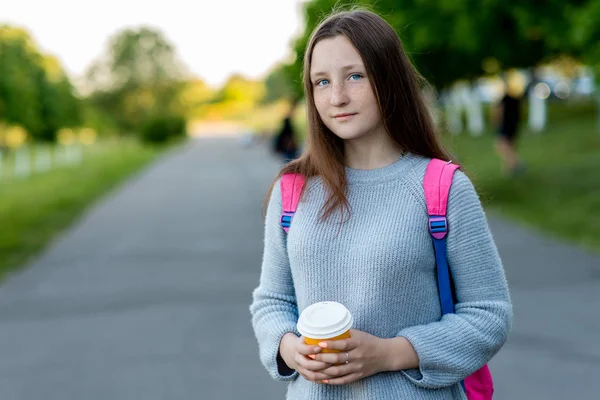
{"type": "Point", "coordinates": [347, 357]}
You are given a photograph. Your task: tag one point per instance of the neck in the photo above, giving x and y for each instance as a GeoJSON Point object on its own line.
{"type": "Point", "coordinates": [371, 152]}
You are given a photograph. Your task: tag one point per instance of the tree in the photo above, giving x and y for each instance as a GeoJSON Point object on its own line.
{"type": "Point", "coordinates": [239, 89]}
{"type": "Point", "coordinates": [450, 39]}
{"type": "Point", "coordinates": [585, 37]}
{"type": "Point", "coordinates": [35, 92]}
{"type": "Point", "coordinates": [136, 58]}
{"type": "Point", "coordinates": [277, 85]}
{"type": "Point", "coordinates": [58, 105]}
{"type": "Point", "coordinates": [19, 75]}
{"type": "Point", "coordinates": [195, 94]}
{"type": "Point", "coordinates": [138, 77]}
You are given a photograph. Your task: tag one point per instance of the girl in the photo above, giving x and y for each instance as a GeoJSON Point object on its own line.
{"type": "Point", "coordinates": [359, 236]}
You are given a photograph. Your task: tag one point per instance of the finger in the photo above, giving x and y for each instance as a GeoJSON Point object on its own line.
{"type": "Point", "coordinates": [336, 371]}
{"type": "Point", "coordinates": [306, 349]}
{"type": "Point", "coordinates": [343, 380]}
{"type": "Point", "coordinates": [342, 345]}
{"type": "Point", "coordinates": [308, 364]}
{"type": "Point", "coordinates": [331, 358]}
{"type": "Point", "coordinates": [312, 375]}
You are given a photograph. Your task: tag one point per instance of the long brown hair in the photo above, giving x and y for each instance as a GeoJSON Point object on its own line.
{"type": "Point", "coordinates": [397, 86]}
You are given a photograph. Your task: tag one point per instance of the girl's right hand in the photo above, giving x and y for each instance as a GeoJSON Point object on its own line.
{"type": "Point", "coordinates": [297, 356]}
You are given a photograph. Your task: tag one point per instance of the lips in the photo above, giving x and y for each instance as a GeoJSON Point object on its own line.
{"type": "Point", "coordinates": [344, 115]}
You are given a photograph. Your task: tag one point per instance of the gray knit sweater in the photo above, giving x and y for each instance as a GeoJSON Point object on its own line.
{"type": "Point", "coordinates": [381, 266]}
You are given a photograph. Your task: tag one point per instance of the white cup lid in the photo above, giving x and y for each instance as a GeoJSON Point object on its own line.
{"type": "Point", "coordinates": [324, 320]}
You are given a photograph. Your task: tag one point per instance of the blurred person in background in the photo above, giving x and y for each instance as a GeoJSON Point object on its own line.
{"type": "Point", "coordinates": [358, 236]}
{"type": "Point", "coordinates": [507, 118]}
{"type": "Point", "coordinates": [285, 141]}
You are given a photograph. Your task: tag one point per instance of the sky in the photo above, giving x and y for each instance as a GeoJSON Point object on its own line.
{"type": "Point", "coordinates": [213, 38]}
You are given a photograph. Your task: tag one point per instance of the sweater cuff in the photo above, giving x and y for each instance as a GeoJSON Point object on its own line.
{"type": "Point", "coordinates": [278, 369]}
{"type": "Point", "coordinates": [431, 373]}
{"type": "Point", "coordinates": [282, 367]}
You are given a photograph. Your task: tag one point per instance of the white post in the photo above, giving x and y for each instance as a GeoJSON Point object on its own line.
{"type": "Point", "coordinates": [453, 109]}
{"type": "Point", "coordinates": [77, 154]}
{"type": "Point", "coordinates": [62, 154]}
{"type": "Point", "coordinates": [22, 163]}
{"type": "Point", "coordinates": [68, 154]}
{"type": "Point", "coordinates": [474, 111]}
{"type": "Point", "coordinates": [73, 154]}
{"type": "Point", "coordinates": [42, 159]}
{"type": "Point", "coordinates": [537, 108]}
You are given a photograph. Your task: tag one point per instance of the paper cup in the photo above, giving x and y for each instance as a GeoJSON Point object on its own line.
{"type": "Point", "coordinates": [326, 320]}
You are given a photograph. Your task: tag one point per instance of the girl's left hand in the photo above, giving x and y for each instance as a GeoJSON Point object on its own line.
{"type": "Point", "coordinates": [360, 356]}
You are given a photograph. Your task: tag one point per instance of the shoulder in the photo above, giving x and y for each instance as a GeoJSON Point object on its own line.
{"type": "Point", "coordinates": [275, 193]}
{"type": "Point", "coordinates": [419, 167]}
{"type": "Point", "coordinates": [462, 193]}
{"type": "Point", "coordinates": [463, 200]}
{"type": "Point", "coordinates": [461, 183]}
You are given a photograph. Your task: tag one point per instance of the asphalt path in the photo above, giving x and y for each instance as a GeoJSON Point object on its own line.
{"type": "Point", "coordinates": [147, 295]}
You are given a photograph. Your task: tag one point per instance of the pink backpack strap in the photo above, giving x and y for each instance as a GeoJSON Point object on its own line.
{"type": "Point", "coordinates": [291, 189]}
{"type": "Point", "coordinates": [436, 184]}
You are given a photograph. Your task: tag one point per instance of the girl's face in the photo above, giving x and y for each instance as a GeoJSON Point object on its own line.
{"type": "Point", "coordinates": [342, 92]}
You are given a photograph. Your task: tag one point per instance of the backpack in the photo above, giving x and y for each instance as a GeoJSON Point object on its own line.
{"type": "Point", "coordinates": [436, 185]}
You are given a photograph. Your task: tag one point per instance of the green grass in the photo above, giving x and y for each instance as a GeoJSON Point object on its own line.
{"type": "Point", "coordinates": [560, 193]}
{"type": "Point", "coordinates": [34, 210]}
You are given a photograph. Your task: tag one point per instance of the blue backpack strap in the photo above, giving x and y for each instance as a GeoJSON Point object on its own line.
{"type": "Point", "coordinates": [436, 185]}
{"type": "Point", "coordinates": [443, 275]}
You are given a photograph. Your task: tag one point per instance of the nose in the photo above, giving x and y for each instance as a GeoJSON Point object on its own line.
{"type": "Point", "coordinates": [339, 97]}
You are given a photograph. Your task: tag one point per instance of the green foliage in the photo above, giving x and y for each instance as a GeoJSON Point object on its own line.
{"type": "Point", "coordinates": [450, 39]}
{"type": "Point", "coordinates": [161, 129]}
{"type": "Point", "coordinates": [241, 90]}
{"type": "Point", "coordinates": [277, 85]}
{"type": "Point", "coordinates": [194, 95]}
{"type": "Point", "coordinates": [35, 93]}
{"type": "Point", "coordinates": [140, 57]}
{"type": "Point", "coordinates": [584, 34]}
{"type": "Point", "coordinates": [139, 77]}
{"type": "Point", "coordinates": [98, 119]}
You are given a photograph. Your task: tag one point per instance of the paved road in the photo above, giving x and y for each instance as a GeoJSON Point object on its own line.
{"type": "Point", "coordinates": [147, 296]}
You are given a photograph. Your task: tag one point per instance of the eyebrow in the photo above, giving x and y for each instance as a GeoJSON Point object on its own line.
{"type": "Point", "coordinates": [347, 67]}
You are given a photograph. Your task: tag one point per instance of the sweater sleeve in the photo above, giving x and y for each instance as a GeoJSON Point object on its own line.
{"type": "Point", "coordinates": [274, 310]}
{"type": "Point", "coordinates": [461, 343]}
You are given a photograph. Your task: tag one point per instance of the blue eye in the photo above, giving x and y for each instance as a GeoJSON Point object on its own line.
{"type": "Point", "coordinates": [355, 77]}
{"type": "Point", "coordinates": [322, 82]}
